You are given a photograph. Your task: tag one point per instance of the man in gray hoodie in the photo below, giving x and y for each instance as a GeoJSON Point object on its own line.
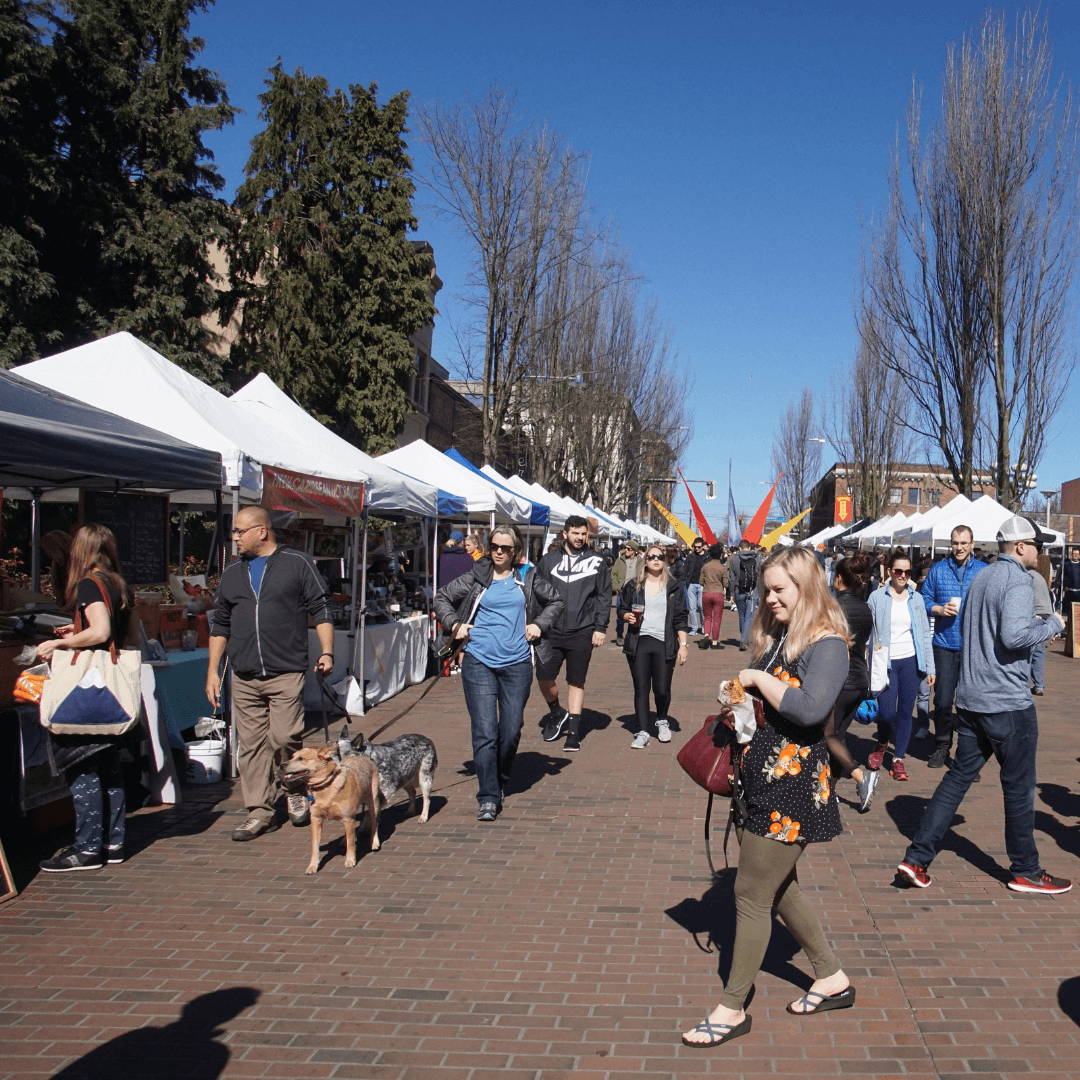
{"type": "Point", "coordinates": [995, 712]}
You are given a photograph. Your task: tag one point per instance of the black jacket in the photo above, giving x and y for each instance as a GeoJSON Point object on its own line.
{"type": "Point", "coordinates": [690, 571]}
{"type": "Point", "coordinates": [268, 633]}
{"type": "Point", "coordinates": [734, 568]}
{"type": "Point", "coordinates": [584, 583]}
{"type": "Point", "coordinates": [674, 621]}
{"type": "Point", "coordinates": [457, 602]}
{"type": "Point", "coordinates": [860, 622]}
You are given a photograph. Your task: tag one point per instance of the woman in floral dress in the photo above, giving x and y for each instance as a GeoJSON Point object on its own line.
{"type": "Point", "coordinates": [799, 643]}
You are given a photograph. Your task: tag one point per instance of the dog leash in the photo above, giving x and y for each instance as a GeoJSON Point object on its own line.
{"type": "Point", "coordinates": [408, 709]}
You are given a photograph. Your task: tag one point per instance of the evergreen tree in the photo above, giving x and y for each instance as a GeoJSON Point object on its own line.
{"type": "Point", "coordinates": [123, 229]}
{"type": "Point", "coordinates": [330, 285]}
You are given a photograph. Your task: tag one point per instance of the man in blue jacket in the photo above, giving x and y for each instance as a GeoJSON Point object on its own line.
{"type": "Point", "coordinates": [995, 712]}
{"type": "Point", "coordinates": [946, 580]}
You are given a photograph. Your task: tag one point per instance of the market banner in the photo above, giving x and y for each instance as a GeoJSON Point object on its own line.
{"type": "Point", "coordinates": [285, 490]}
{"type": "Point", "coordinates": [768, 541]}
{"type": "Point", "coordinates": [842, 515]}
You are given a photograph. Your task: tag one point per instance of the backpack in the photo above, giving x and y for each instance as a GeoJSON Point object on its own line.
{"type": "Point", "coordinates": [747, 572]}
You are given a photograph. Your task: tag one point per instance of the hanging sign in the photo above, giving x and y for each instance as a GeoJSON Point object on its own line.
{"type": "Point", "coordinates": [843, 510]}
{"type": "Point", "coordinates": [285, 490]}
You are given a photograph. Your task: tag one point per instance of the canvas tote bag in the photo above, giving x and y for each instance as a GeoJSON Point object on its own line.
{"type": "Point", "coordinates": [95, 692]}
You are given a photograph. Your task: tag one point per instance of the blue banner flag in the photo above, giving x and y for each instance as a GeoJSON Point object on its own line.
{"type": "Point", "coordinates": [734, 533]}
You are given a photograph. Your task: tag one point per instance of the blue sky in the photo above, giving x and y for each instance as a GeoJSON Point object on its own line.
{"type": "Point", "coordinates": [738, 147]}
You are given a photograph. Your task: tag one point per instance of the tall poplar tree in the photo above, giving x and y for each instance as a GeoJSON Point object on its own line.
{"type": "Point", "coordinates": [329, 283]}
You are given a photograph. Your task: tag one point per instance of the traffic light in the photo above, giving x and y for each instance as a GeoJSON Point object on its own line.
{"type": "Point", "coordinates": [710, 489]}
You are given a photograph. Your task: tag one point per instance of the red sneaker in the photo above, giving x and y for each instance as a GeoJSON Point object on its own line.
{"type": "Point", "coordinates": [877, 755]}
{"type": "Point", "coordinates": [915, 874]}
{"type": "Point", "coordinates": [1041, 883]}
{"type": "Point", "coordinates": [898, 771]}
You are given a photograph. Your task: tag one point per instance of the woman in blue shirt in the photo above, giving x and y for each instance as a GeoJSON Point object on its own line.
{"type": "Point", "coordinates": [499, 611]}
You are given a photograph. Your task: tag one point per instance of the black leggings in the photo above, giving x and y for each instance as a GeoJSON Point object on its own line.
{"type": "Point", "coordinates": [847, 703]}
{"type": "Point", "coordinates": [650, 666]}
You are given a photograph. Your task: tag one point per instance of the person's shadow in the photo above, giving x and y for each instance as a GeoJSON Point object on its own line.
{"type": "Point", "coordinates": [629, 721]}
{"type": "Point", "coordinates": [907, 811]}
{"type": "Point", "coordinates": [711, 921]}
{"type": "Point", "coordinates": [1069, 999]}
{"type": "Point", "coordinates": [187, 1047]}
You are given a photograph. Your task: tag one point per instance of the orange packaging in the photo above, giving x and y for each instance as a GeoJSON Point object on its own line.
{"type": "Point", "coordinates": [173, 625]}
{"type": "Point", "coordinates": [201, 625]}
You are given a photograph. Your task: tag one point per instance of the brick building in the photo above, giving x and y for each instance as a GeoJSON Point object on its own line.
{"type": "Point", "coordinates": [914, 489]}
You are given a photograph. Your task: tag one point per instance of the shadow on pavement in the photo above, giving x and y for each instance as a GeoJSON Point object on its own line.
{"type": "Point", "coordinates": [531, 767]}
{"type": "Point", "coordinates": [907, 811]}
{"type": "Point", "coordinates": [187, 1047]}
{"type": "Point", "coordinates": [1069, 999]}
{"type": "Point", "coordinates": [711, 921]}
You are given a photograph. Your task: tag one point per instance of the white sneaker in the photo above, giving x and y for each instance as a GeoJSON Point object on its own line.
{"type": "Point", "coordinates": [641, 740]}
{"type": "Point", "coordinates": [663, 730]}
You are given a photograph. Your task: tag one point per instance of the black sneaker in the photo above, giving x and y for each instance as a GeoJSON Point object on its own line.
{"type": "Point", "coordinates": [939, 758]}
{"type": "Point", "coordinates": [571, 743]}
{"type": "Point", "coordinates": [115, 855]}
{"type": "Point", "coordinates": [555, 727]}
{"type": "Point", "coordinates": [1040, 883]}
{"type": "Point", "coordinates": [72, 859]}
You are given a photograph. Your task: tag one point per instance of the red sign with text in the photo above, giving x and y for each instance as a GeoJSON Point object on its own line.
{"type": "Point", "coordinates": [284, 490]}
{"type": "Point", "coordinates": [843, 510]}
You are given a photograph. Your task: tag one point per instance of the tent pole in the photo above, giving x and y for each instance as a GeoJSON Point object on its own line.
{"type": "Point", "coordinates": [180, 552]}
{"type": "Point", "coordinates": [354, 620]}
{"type": "Point", "coordinates": [235, 511]}
{"type": "Point", "coordinates": [361, 635]}
{"type": "Point", "coordinates": [492, 523]}
{"type": "Point", "coordinates": [35, 540]}
{"type": "Point", "coordinates": [217, 553]}
{"type": "Point", "coordinates": [434, 566]}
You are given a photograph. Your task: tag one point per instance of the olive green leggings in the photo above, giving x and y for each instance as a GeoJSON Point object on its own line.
{"type": "Point", "coordinates": [767, 879]}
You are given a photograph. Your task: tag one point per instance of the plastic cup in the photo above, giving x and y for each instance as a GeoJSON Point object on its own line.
{"type": "Point", "coordinates": [956, 601]}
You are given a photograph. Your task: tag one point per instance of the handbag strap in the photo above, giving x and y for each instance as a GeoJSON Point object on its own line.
{"type": "Point", "coordinates": [736, 771]}
{"type": "Point", "coordinates": [82, 618]}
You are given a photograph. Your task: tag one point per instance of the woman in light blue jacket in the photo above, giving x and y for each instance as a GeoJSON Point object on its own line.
{"type": "Point", "coordinates": [901, 627]}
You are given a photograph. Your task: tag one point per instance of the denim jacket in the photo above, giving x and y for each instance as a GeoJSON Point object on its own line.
{"type": "Point", "coordinates": [881, 605]}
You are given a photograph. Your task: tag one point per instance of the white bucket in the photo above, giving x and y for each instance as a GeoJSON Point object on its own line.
{"type": "Point", "coordinates": [205, 759]}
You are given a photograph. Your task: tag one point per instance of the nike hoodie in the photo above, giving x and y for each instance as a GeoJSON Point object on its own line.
{"type": "Point", "coordinates": [584, 583]}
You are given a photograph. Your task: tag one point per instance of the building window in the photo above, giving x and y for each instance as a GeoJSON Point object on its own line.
{"type": "Point", "coordinates": [896, 495]}
{"type": "Point", "coordinates": [913, 496]}
{"type": "Point", "coordinates": [933, 496]}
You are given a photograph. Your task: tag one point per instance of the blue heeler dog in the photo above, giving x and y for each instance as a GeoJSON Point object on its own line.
{"type": "Point", "coordinates": [406, 762]}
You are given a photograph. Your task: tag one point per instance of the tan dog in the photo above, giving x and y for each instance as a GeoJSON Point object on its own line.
{"type": "Point", "coordinates": [340, 789]}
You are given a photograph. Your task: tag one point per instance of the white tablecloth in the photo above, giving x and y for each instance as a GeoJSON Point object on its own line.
{"type": "Point", "coordinates": [395, 656]}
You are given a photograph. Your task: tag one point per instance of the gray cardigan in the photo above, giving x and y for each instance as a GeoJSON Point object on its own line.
{"type": "Point", "coordinates": [1000, 628]}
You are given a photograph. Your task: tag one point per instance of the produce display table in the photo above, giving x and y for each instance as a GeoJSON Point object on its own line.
{"type": "Point", "coordinates": [181, 690]}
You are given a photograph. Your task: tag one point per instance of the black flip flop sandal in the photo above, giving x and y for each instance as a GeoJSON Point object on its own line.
{"type": "Point", "coordinates": [825, 1002]}
{"type": "Point", "coordinates": [725, 1033]}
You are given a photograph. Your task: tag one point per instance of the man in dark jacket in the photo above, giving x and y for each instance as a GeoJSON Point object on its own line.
{"type": "Point", "coordinates": [581, 576]}
{"type": "Point", "coordinates": [260, 617]}
{"type": "Point", "coordinates": [691, 579]}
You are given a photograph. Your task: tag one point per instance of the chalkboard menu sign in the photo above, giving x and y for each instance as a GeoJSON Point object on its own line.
{"type": "Point", "coordinates": [139, 524]}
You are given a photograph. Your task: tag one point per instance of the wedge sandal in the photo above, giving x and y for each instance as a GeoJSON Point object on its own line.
{"type": "Point", "coordinates": [719, 1033]}
{"type": "Point", "coordinates": [814, 1002]}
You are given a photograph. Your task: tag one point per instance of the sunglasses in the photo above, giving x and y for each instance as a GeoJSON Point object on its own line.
{"type": "Point", "coordinates": [654, 558]}
{"type": "Point", "coordinates": [506, 549]}
{"type": "Point", "coordinates": [900, 573]}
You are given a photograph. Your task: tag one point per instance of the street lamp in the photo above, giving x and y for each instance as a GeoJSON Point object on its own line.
{"type": "Point", "coordinates": [1048, 495]}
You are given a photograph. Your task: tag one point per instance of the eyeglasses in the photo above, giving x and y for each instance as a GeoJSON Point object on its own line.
{"type": "Point", "coordinates": [506, 549]}
{"type": "Point", "coordinates": [240, 532]}
{"type": "Point", "coordinates": [654, 558]}
{"type": "Point", "coordinates": [900, 573]}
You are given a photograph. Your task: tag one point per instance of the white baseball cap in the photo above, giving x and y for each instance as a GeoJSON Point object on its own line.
{"type": "Point", "coordinates": [1015, 529]}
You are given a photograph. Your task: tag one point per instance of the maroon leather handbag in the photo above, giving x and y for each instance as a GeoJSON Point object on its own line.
{"type": "Point", "coordinates": [711, 759]}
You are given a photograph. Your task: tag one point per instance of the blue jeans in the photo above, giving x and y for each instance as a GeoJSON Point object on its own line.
{"type": "Point", "coordinates": [947, 662]}
{"type": "Point", "coordinates": [693, 605]}
{"type": "Point", "coordinates": [1038, 665]}
{"type": "Point", "coordinates": [496, 700]}
{"type": "Point", "coordinates": [1012, 737]}
{"type": "Point", "coordinates": [745, 602]}
{"type": "Point", "coordinates": [895, 703]}
{"type": "Point", "coordinates": [922, 704]}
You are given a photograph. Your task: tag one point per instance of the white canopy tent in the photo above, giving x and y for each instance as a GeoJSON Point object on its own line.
{"type": "Point", "coordinates": [124, 376]}
{"type": "Point", "coordinates": [868, 537]}
{"type": "Point", "coordinates": [264, 403]}
{"type": "Point", "coordinates": [917, 522]}
{"type": "Point", "coordinates": [983, 516]}
{"type": "Point", "coordinates": [557, 511]}
{"type": "Point", "coordinates": [418, 459]}
{"type": "Point", "coordinates": [821, 537]}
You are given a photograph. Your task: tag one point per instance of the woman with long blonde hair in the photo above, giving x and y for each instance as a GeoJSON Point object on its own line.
{"type": "Point", "coordinates": [785, 799]}
{"type": "Point", "coordinates": [653, 607]}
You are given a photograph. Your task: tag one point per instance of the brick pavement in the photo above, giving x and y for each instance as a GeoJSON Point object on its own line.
{"type": "Point", "coordinates": [566, 939]}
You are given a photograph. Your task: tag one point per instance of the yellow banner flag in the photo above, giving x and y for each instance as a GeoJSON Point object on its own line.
{"type": "Point", "coordinates": [769, 540]}
{"type": "Point", "coordinates": [684, 532]}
